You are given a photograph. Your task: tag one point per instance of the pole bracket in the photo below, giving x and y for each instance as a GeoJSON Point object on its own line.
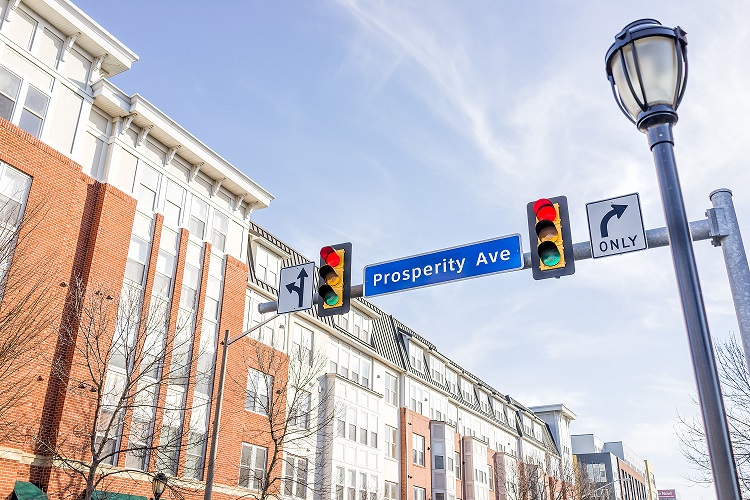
{"type": "Point", "coordinates": [717, 225]}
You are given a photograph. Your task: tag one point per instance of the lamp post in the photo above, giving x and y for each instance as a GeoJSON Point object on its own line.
{"type": "Point", "coordinates": [647, 68]}
{"type": "Point", "coordinates": [158, 485]}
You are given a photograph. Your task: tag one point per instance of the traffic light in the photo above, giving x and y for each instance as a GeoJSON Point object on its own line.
{"type": "Point", "coordinates": [549, 234]}
{"type": "Point", "coordinates": [335, 279]}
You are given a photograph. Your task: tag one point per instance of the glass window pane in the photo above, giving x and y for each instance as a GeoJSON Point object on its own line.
{"type": "Point", "coordinates": [9, 83]}
{"type": "Point", "coordinates": [30, 123]}
{"type": "Point", "coordinates": [36, 101]}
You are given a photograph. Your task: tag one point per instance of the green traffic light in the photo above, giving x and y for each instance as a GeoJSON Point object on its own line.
{"type": "Point", "coordinates": [550, 256]}
{"type": "Point", "coordinates": [331, 298]}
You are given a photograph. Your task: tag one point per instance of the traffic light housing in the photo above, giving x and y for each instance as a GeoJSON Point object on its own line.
{"type": "Point", "coordinates": [335, 279]}
{"type": "Point", "coordinates": [549, 234]}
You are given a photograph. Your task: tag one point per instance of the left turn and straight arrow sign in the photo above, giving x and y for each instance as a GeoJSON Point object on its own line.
{"type": "Point", "coordinates": [296, 288]}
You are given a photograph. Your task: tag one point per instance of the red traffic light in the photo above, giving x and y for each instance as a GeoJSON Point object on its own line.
{"type": "Point", "coordinates": [544, 209]}
{"type": "Point", "coordinates": [329, 256]}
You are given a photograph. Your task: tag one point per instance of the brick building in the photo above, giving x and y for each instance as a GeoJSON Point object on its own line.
{"type": "Point", "coordinates": [118, 201]}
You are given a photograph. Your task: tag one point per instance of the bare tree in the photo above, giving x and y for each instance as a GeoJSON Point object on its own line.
{"type": "Point", "coordinates": [126, 388]}
{"type": "Point", "coordinates": [27, 310]}
{"type": "Point", "coordinates": [735, 384]}
{"type": "Point", "coordinates": [551, 478]}
{"type": "Point", "coordinates": [298, 411]}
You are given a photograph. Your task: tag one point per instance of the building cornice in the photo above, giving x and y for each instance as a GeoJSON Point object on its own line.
{"type": "Point", "coordinates": [86, 33]}
{"type": "Point", "coordinates": [144, 114]}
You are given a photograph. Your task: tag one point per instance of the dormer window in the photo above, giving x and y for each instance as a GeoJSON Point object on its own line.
{"type": "Point", "coordinates": [467, 390]}
{"type": "Point", "coordinates": [437, 370]}
{"type": "Point", "coordinates": [416, 357]}
{"type": "Point", "coordinates": [452, 380]}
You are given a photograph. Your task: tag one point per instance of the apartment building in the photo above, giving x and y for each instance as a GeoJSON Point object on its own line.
{"type": "Point", "coordinates": [129, 204]}
{"type": "Point", "coordinates": [613, 467]}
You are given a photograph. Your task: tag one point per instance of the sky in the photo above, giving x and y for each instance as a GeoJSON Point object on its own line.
{"type": "Point", "coordinates": [410, 126]}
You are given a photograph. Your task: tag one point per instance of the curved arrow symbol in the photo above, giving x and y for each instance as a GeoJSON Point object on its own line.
{"type": "Point", "coordinates": [292, 287]}
{"type": "Point", "coordinates": [617, 210]}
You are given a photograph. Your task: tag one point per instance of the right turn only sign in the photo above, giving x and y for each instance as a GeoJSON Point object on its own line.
{"type": "Point", "coordinates": [616, 226]}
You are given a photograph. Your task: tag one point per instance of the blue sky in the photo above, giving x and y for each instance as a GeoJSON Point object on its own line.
{"type": "Point", "coordinates": [431, 124]}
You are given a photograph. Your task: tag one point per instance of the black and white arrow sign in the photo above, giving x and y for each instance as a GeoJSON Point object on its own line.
{"type": "Point", "coordinates": [616, 226]}
{"type": "Point", "coordinates": [296, 288]}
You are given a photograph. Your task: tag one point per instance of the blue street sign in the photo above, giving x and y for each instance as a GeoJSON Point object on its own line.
{"type": "Point", "coordinates": [442, 266]}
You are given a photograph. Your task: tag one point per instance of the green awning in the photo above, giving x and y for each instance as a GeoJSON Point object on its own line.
{"type": "Point", "coordinates": [24, 490]}
{"type": "Point", "coordinates": [106, 495]}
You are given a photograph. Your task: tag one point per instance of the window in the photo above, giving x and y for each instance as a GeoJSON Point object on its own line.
{"type": "Point", "coordinates": [419, 493]}
{"type": "Point", "coordinates": [373, 426]}
{"type": "Point", "coordinates": [295, 477]}
{"type": "Point", "coordinates": [35, 102]}
{"type": "Point", "coordinates": [351, 485]}
{"type": "Point", "coordinates": [219, 232]}
{"type": "Point", "coordinates": [339, 483]}
{"type": "Point", "coordinates": [213, 297]}
{"type": "Point", "coordinates": [198, 218]}
{"type": "Point", "coordinates": [190, 284]}
{"type": "Point", "coordinates": [439, 462]}
{"type": "Point", "coordinates": [391, 396]}
{"type": "Point", "coordinates": [390, 491]}
{"type": "Point", "coordinates": [417, 398]}
{"type": "Point", "coordinates": [362, 486]}
{"type": "Point", "coordinates": [417, 443]}
{"type": "Point", "coordinates": [173, 204]}
{"type": "Point", "coordinates": [361, 327]}
{"type": "Point", "coordinates": [491, 477]}
{"type": "Point", "coordinates": [416, 357]}
{"type": "Point", "coordinates": [349, 363]}
{"type": "Point", "coordinates": [10, 85]}
{"type": "Point", "coordinates": [252, 466]}
{"type": "Point", "coordinates": [267, 266]}
{"type": "Point", "coordinates": [301, 410]}
{"type": "Point", "coordinates": [302, 343]}
{"type": "Point", "coordinates": [259, 387]}
{"type": "Point", "coordinates": [458, 465]}
{"type": "Point", "coordinates": [138, 253]}
{"type": "Point", "coordinates": [194, 455]}
{"type": "Point", "coordinates": [148, 189]}
{"type": "Point", "coordinates": [14, 187]}
{"type": "Point", "coordinates": [467, 391]}
{"type": "Point", "coordinates": [437, 369]}
{"type": "Point", "coordinates": [450, 379]}
{"type": "Point", "coordinates": [437, 409]}
{"type": "Point", "coordinates": [34, 110]}
{"type": "Point", "coordinates": [390, 442]}
{"type": "Point", "coordinates": [108, 425]}
{"type": "Point", "coordinates": [165, 265]}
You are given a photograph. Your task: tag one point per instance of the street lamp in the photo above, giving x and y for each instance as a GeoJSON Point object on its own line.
{"type": "Point", "coordinates": [158, 485]}
{"type": "Point", "coordinates": [647, 68]}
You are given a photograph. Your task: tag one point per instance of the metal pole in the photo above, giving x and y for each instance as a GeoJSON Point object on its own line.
{"type": "Point", "coordinates": [699, 338]}
{"type": "Point", "coordinates": [727, 229]}
{"type": "Point", "coordinates": [217, 420]}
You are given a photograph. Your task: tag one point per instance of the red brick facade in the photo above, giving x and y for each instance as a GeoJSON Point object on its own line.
{"type": "Point", "coordinates": [83, 233]}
